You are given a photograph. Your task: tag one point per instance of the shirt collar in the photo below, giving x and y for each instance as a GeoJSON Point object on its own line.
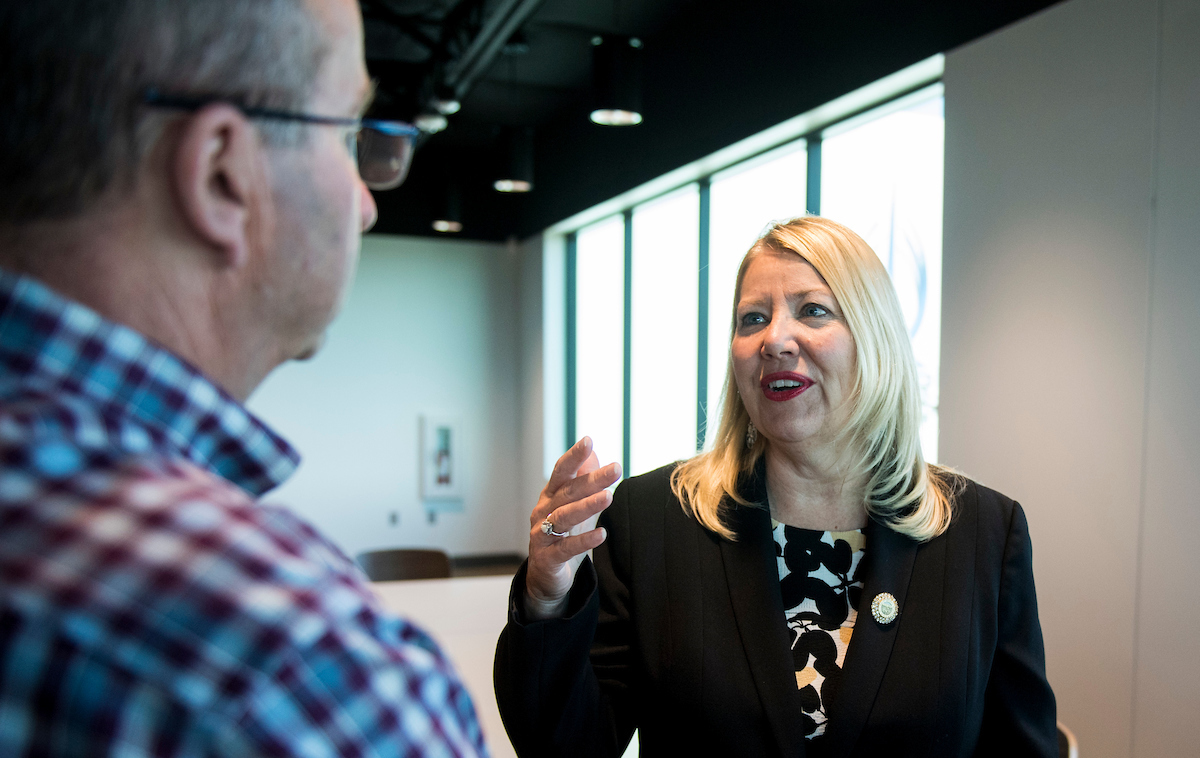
{"type": "Point", "coordinates": [58, 347]}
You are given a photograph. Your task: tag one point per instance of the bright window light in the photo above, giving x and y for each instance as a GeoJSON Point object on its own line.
{"type": "Point", "coordinates": [743, 200]}
{"type": "Point", "coordinates": [883, 179]}
{"type": "Point", "coordinates": [664, 317]}
{"type": "Point", "coordinates": [600, 337]}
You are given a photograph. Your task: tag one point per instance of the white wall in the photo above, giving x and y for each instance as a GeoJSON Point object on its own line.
{"type": "Point", "coordinates": [430, 326]}
{"type": "Point", "coordinates": [1167, 676]}
{"type": "Point", "coordinates": [1069, 342]}
{"type": "Point", "coordinates": [535, 446]}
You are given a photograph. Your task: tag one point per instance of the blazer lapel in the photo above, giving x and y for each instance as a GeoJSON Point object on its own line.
{"type": "Point", "coordinates": [753, 576]}
{"type": "Point", "coordinates": [891, 557]}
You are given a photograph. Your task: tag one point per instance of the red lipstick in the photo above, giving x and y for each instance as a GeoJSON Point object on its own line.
{"type": "Point", "coordinates": [784, 385]}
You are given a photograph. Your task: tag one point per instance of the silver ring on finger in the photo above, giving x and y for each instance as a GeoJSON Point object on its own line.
{"type": "Point", "coordinates": [548, 529]}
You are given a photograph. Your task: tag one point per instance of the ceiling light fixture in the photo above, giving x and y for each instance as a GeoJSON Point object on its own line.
{"type": "Point", "coordinates": [517, 172]}
{"type": "Point", "coordinates": [445, 101]}
{"type": "Point", "coordinates": [447, 107]}
{"type": "Point", "coordinates": [431, 123]}
{"type": "Point", "coordinates": [617, 80]}
{"type": "Point", "coordinates": [449, 221]}
{"type": "Point", "coordinates": [512, 185]}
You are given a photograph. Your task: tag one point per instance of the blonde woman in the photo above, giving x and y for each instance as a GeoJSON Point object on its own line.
{"type": "Point", "coordinates": [810, 586]}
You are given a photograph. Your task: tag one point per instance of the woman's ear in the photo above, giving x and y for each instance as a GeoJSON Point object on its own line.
{"type": "Point", "coordinates": [215, 172]}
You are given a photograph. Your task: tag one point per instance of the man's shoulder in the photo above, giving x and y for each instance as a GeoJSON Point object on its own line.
{"type": "Point", "coordinates": [141, 566]}
{"type": "Point", "coordinates": [163, 566]}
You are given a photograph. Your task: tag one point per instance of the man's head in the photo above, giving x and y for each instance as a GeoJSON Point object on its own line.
{"type": "Point", "coordinates": [255, 221]}
{"type": "Point", "coordinates": [72, 119]}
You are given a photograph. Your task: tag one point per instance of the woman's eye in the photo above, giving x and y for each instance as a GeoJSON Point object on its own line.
{"type": "Point", "coordinates": [814, 310]}
{"type": "Point", "coordinates": [752, 319]}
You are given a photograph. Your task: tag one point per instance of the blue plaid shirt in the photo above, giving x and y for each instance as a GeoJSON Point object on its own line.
{"type": "Point", "coordinates": [148, 605]}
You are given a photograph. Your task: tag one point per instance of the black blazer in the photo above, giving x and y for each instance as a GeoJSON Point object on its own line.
{"type": "Point", "coordinates": [681, 634]}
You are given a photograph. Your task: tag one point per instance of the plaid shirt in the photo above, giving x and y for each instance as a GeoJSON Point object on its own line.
{"type": "Point", "coordinates": [148, 605]}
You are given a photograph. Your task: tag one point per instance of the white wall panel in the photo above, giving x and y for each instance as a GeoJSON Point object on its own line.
{"type": "Point", "coordinates": [430, 326]}
{"type": "Point", "coordinates": [1049, 133]}
{"type": "Point", "coordinates": [1167, 679]}
{"type": "Point", "coordinates": [542, 367]}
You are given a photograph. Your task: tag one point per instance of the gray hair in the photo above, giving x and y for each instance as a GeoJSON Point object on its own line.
{"type": "Point", "coordinates": [73, 74]}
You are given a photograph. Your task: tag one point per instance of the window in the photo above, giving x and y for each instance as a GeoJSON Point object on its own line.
{"type": "Point", "coordinates": [743, 200]}
{"type": "Point", "coordinates": [664, 308]}
{"type": "Point", "coordinates": [883, 179]}
{"type": "Point", "coordinates": [600, 336]}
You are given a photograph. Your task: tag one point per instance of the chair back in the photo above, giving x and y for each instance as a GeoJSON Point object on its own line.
{"type": "Point", "coordinates": [1068, 746]}
{"type": "Point", "coordinates": [397, 564]}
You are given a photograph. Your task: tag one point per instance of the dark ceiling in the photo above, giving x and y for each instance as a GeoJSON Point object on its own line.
{"type": "Point", "coordinates": [715, 72]}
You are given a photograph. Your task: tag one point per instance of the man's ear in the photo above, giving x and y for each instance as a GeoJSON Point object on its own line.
{"type": "Point", "coordinates": [217, 177]}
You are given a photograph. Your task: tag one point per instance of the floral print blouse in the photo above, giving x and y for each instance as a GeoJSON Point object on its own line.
{"type": "Point", "coordinates": [821, 586]}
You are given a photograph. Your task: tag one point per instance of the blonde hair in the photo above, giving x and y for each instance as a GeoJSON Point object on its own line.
{"type": "Point", "coordinates": [882, 434]}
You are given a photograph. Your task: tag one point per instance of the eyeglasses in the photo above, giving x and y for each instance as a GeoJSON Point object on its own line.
{"type": "Point", "coordinates": [382, 149]}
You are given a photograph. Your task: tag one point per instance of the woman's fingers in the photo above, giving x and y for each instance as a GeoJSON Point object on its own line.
{"type": "Point", "coordinates": [585, 484]}
{"type": "Point", "coordinates": [549, 553]}
{"type": "Point", "coordinates": [569, 464]}
{"type": "Point", "coordinates": [590, 464]}
{"type": "Point", "coordinates": [567, 517]}
{"type": "Point", "coordinates": [551, 570]}
{"type": "Point", "coordinates": [572, 500]}
{"type": "Point", "coordinates": [566, 548]}
{"type": "Point", "coordinates": [580, 487]}
{"type": "Point", "coordinates": [548, 585]}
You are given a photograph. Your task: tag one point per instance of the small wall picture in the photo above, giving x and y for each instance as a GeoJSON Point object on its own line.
{"type": "Point", "coordinates": [441, 458]}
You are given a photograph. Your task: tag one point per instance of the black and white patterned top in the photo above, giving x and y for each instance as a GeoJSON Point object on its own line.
{"type": "Point", "coordinates": [818, 576]}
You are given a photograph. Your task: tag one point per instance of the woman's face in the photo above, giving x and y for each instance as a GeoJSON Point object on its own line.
{"type": "Point", "coordinates": [793, 355]}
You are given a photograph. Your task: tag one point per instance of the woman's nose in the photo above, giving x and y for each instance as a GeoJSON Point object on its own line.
{"type": "Point", "coordinates": [778, 338]}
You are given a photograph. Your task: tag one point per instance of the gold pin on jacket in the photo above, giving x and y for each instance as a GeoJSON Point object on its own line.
{"type": "Point", "coordinates": [884, 608]}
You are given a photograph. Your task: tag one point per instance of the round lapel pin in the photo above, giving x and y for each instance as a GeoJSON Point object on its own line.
{"type": "Point", "coordinates": [884, 608]}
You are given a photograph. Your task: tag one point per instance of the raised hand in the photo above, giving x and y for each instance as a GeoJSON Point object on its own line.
{"type": "Point", "coordinates": [572, 501]}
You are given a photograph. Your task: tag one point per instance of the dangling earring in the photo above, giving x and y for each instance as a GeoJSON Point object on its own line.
{"type": "Point", "coordinates": [751, 434]}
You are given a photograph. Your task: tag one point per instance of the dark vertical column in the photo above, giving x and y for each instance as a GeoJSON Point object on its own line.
{"type": "Point", "coordinates": [570, 353]}
{"type": "Point", "coordinates": [813, 190]}
{"type": "Point", "coordinates": [628, 216]}
{"type": "Point", "coordinates": [702, 313]}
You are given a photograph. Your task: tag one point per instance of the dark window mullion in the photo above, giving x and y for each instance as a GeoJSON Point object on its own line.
{"type": "Point", "coordinates": [628, 377]}
{"type": "Point", "coordinates": [812, 193]}
{"type": "Point", "coordinates": [572, 239]}
{"type": "Point", "coordinates": [702, 321]}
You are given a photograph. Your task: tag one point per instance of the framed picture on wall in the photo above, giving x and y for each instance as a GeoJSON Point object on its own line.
{"type": "Point", "coordinates": [441, 458]}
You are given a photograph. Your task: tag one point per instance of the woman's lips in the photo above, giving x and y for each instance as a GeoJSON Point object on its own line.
{"type": "Point", "coordinates": [784, 385]}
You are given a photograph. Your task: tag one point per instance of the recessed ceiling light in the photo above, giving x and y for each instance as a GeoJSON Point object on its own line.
{"type": "Point", "coordinates": [445, 100]}
{"type": "Point", "coordinates": [431, 123]}
{"type": "Point", "coordinates": [443, 225]}
{"type": "Point", "coordinates": [616, 80]}
{"type": "Point", "coordinates": [516, 175]}
{"type": "Point", "coordinates": [512, 185]}
{"type": "Point", "coordinates": [616, 117]}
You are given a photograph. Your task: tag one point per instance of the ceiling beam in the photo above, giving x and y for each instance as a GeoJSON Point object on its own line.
{"type": "Point", "coordinates": [478, 58]}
